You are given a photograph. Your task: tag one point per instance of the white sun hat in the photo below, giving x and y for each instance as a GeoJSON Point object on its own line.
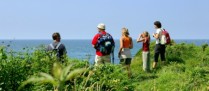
{"type": "Point", "coordinates": [101, 26]}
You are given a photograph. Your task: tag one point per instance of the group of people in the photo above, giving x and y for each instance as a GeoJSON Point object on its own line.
{"type": "Point", "coordinates": [104, 45]}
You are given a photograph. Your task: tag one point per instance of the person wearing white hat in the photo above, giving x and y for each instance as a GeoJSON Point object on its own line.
{"type": "Point", "coordinates": [104, 44]}
{"type": "Point", "coordinates": [101, 26]}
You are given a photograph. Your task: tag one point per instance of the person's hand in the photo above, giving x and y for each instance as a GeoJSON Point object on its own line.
{"type": "Point", "coordinates": [137, 40]}
{"type": "Point", "coordinates": [141, 35]}
{"type": "Point", "coordinates": [119, 55]}
{"type": "Point", "coordinates": [153, 34]}
{"type": "Point", "coordinates": [94, 46]}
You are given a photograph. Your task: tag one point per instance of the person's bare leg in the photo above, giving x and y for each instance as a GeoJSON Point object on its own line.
{"type": "Point", "coordinates": [129, 70]}
{"type": "Point", "coordinates": [154, 65]}
{"type": "Point", "coordinates": [163, 63]}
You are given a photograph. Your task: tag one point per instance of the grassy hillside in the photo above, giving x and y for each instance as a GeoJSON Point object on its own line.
{"type": "Point", "coordinates": [187, 69]}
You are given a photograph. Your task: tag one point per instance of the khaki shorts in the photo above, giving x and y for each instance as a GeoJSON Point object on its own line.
{"type": "Point", "coordinates": [102, 59]}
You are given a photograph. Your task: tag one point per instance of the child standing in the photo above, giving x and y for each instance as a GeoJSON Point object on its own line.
{"type": "Point", "coordinates": [145, 39]}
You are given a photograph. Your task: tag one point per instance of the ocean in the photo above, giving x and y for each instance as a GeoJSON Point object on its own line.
{"type": "Point", "coordinates": [80, 49]}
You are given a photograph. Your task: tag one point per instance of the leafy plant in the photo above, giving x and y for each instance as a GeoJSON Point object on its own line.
{"type": "Point", "coordinates": [58, 79]}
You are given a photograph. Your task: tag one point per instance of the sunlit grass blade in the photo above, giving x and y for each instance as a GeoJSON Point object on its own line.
{"type": "Point", "coordinates": [65, 72]}
{"type": "Point", "coordinates": [75, 73]}
{"type": "Point", "coordinates": [49, 79]}
{"type": "Point", "coordinates": [31, 80]}
{"type": "Point", "coordinates": [57, 70]}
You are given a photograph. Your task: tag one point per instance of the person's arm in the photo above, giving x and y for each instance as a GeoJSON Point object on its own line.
{"type": "Point", "coordinates": [94, 41]}
{"type": "Point", "coordinates": [140, 39]}
{"type": "Point", "coordinates": [157, 34]}
{"type": "Point", "coordinates": [94, 46]}
{"type": "Point", "coordinates": [63, 51]}
{"type": "Point", "coordinates": [64, 48]}
{"type": "Point", "coordinates": [121, 46]}
{"type": "Point", "coordinates": [131, 45]}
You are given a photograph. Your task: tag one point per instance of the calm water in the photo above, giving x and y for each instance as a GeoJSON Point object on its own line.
{"type": "Point", "coordinates": [80, 49]}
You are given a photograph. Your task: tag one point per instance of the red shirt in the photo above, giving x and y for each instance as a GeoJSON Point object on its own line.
{"type": "Point", "coordinates": [94, 42]}
{"type": "Point", "coordinates": [145, 46]}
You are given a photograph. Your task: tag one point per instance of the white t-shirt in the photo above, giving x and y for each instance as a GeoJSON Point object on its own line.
{"type": "Point", "coordinates": [158, 31]}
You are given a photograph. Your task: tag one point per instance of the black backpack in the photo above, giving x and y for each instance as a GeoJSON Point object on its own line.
{"type": "Point", "coordinates": [55, 50]}
{"type": "Point", "coordinates": [105, 44]}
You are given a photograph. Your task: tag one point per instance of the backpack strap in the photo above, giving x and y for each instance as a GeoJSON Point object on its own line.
{"type": "Point", "coordinates": [100, 36]}
{"type": "Point", "coordinates": [58, 45]}
{"type": "Point", "coordinates": [161, 33]}
{"type": "Point", "coordinates": [51, 45]}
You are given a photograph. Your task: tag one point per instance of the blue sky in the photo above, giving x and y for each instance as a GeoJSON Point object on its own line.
{"type": "Point", "coordinates": [77, 19]}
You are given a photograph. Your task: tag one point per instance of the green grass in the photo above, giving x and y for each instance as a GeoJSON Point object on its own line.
{"type": "Point", "coordinates": [187, 69]}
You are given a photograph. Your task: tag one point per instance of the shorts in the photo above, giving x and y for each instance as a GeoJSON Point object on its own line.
{"type": "Point", "coordinates": [159, 51]}
{"type": "Point", "coordinates": [126, 61]}
{"type": "Point", "coordinates": [102, 59]}
{"type": "Point", "coordinates": [125, 53]}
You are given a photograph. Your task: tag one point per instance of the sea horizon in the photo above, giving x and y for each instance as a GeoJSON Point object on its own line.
{"type": "Point", "coordinates": [91, 39]}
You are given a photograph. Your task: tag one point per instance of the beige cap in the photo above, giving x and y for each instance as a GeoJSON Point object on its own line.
{"type": "Point", "coordinates": [101, 26]}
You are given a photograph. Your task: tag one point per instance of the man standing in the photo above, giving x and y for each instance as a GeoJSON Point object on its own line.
{"type": "Point", "coordinates": [104, 44]}
{"type": "Point", "coordinates": [57, 47]}
{"type": "Point", "coordinates": [159, 48]}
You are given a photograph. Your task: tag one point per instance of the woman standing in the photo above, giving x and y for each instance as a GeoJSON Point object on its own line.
{"type": "Point", "coordinates": [124, 52]}
{"type": "Point", "coordinates": [145, 38]}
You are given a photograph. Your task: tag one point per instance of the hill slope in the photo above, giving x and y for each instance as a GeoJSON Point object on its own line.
{"type": "Point", "coordinates": [187, 68]}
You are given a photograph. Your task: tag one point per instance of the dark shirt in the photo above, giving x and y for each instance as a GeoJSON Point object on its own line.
{"type": "Point", "coordinates": [61, 48]}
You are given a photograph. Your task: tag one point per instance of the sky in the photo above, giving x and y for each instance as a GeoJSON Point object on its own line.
{"type": "Point", "coordinates": [78, 19]}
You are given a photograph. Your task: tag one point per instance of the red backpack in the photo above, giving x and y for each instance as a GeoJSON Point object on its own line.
{"type": "Point", "coordinates": [167, 37]}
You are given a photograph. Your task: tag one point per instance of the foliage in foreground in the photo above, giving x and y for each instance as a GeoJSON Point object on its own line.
{"type": "Point", "coordinates": [58, 79]}
{"type": "Point", "coordinates": [35, 71]}
{"type": "Point", "coordinates": [187, 68]}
